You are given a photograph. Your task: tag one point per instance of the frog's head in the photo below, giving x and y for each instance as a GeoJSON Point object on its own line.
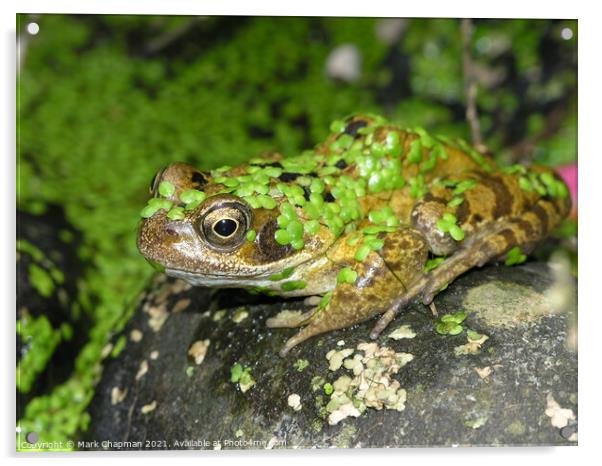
{"type": "Point", "coordinates": [196, 231]}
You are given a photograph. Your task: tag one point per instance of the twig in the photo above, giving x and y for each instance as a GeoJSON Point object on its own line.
{"type": "Point", "coordinates": [170, 36]}
{"type": "Point", "coordinates": [470, 87]}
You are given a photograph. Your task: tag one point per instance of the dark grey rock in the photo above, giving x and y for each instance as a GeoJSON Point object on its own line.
{"type": "Point", "coordinates": [448, 402]}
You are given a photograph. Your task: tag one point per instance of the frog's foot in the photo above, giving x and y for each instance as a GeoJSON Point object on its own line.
{"type": "Point", "coordinates": [289, 319]}
{"type": "Point", "coordinates": [369, 291]}
{"type": "Point", "coordinates": [336, 315]}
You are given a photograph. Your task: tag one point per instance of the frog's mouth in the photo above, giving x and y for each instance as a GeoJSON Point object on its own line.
{"type": "Point", "coordinates": [218, 280]}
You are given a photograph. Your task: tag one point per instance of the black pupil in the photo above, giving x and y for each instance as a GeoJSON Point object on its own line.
{"type": "Point", "coordinates": [225, 227]}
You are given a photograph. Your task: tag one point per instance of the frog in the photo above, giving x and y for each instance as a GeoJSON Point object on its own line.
{"type": "Point", "coordinates": [371, 220]}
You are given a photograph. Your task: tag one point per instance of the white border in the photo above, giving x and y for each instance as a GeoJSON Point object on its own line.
{"type": "Point", "coordinates": [590, 417]}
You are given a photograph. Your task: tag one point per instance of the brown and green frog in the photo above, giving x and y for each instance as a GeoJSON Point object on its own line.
{"type": "Point", "coordinates": [370, 220]}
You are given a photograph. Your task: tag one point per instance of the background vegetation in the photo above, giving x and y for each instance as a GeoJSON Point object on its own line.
{"type": "Point", "coordinates": [105, 101]}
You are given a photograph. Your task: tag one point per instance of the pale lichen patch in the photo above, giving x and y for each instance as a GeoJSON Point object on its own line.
{"type": "Point", "coordinates": [118, 395]}
{"type": "Point", "coordinates": [154, 355]}
{"type": "Point", "coordinates": [405, 331]}
{"type": "Point", "coordinates": [136, 335]}
{"type": "Point", "coordinates": [148, 407]}
{"type": "Point", "coordinates": [158, 316]}
{"type": "Point", "coordinates": [142, 370]}
{"type": "Point", "coordinates": [472, 347]}
{"type": "Point", "coordinates": [559, 417]}
{"type": "Point", "coordinates": [106, 350]}
{"type": "Point", "coordinates": [240, 315]}
{"type": "Point", "coordinates": [198, 350]}
{"type": "Point", "coordinates": [294, 401]}
{"type": "Point", "coordinates": [181, 305]}
{"type": "Point", "coordinates": [476, 423]}
{"type": "Point", "coordinates": [344, 410]}
{"type": "Point", "coordinates": [371, 386]}
{"type": "Point", "coordinates": [484, 373]}
{"type": "Point", "coordinates": [219, 315]}
{"type": "Point", "coordinates": [354, 364]}
{"type": "Point", "coordinates": [335, 358]}
{"type": "Point", "coordinates": [317, 382]}
{"type": "Point", "coordinates": [503, 304]}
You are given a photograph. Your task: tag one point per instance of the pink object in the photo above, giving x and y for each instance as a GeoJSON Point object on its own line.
{"type": "Point", "coordinates": [569, 175]}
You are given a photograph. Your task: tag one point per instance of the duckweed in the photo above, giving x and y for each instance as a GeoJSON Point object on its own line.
{"type": "Point", "coordinates": [474, 336]}
{"type": "Point", "coordinates": [119, 346]}
{"type": "Point", "coordinates": [415, 152]}
{"type": "Point", "coordinates": [325, 300]}
{"type": "Point", "coordinates": [177, 213]}
{"type": "Point", "coordinates": [451, 324]}
{"type": "Point", "coordinates": [293, 285]}
{"type": "Point", "coordinates": [192, 195]}
{"type": "Point", "coordinates": [347, 275]}
{"type": "Point", "coordinates": [455, 202]}
{"type": "Point", "coordinates": [287, 272]}
{"type": "Point", "coordinates": [236, 372]}
{"type": "Point", "coordinates": [515, 256]}
{"type": "Point", "coordinates": [154, 205]}
{"type": "Point", "coordinates": [166, 189]}
{"type": "Point", "coordinates": [44, 339]}
{"type": "Point", "coordinates": [545, 184]}
{"type": "Point", "coordinates": [432, 264]}
{"type": "Point", "coordinates": [447, 224]}
{"type": "Point", "coordinates": [41, 280]}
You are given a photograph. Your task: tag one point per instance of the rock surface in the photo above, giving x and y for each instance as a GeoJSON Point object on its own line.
{"type": "Point", "coordinates": [170, 387]}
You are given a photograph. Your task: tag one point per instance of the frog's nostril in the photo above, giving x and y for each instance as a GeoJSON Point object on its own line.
{"type": "Point", "coordinates": [171, 231]}
{"type": "Point", "coordinates": [199, 179]}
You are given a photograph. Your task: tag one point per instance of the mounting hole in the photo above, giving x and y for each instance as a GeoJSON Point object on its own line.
{"type": "Point", "coordinates": [33, 28]}
{"type": "Point", "coordinates": [566, 33]}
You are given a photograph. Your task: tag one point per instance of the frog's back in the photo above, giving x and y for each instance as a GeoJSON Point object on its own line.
{"type": "Point", "coordinates": [447, 174]}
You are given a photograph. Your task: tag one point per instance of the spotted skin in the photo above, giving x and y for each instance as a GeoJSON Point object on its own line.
{"type": "Point", "coordinates": [373, 199]}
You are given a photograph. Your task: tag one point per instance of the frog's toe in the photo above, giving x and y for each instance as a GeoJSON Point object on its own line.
{"type": "Point", "coordinates": [300, 337]}
{"type": "Point", "coordinates": [288, 319]}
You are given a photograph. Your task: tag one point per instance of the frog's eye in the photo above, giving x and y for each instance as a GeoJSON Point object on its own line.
{"type": "Point", "coordinates": [225, 225]}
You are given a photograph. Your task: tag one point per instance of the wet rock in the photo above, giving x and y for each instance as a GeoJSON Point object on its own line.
{"type": "Point", "coordinates": [203, 377]}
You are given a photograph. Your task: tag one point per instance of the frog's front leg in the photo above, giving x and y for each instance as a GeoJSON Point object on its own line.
{"type": "Point", "coordinates": [365, 287]}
